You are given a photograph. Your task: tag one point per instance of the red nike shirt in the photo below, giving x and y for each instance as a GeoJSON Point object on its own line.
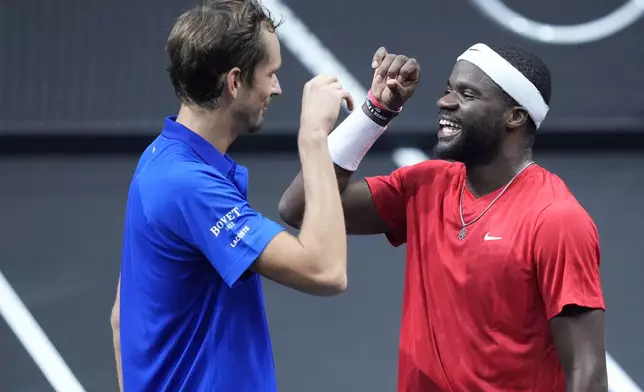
{"type": "Point", "coordinates": [476, 311]}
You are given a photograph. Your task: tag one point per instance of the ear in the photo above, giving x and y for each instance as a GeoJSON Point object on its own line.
{"type": "Point", "coordinates": [233, 82]}
{"type": "Point", "coordinates": [516, 117]}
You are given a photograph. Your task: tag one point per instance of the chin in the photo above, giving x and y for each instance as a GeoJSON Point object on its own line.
{"type": "Point", "coordinates": [447, 155]}
{"type": "Point", "coordinates": [253, 126]}
{"type": "Point", "coordinates": [250, 129]}
{"type": "Point", "coordinates": [451, 150]}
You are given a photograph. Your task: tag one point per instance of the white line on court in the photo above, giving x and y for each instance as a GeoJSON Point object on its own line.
{"type": "Point", "coordinates": [315, 57]}
{"type": "Point", "coordinates": [35, 341]}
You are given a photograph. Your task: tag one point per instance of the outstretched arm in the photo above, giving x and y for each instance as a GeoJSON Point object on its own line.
{"type": "Point", "coordinates": [395, 79]}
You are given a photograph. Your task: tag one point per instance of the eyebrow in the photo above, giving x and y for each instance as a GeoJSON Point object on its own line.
{"type": "Point", "coordinates": [466, 85]}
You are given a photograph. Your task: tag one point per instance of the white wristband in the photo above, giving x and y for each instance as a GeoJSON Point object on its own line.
{"type": "Point", "coordinates": [352, 139]}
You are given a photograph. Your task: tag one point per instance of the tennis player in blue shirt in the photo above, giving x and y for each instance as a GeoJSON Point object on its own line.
{"type": "Point", "coordinates": [190, 309]}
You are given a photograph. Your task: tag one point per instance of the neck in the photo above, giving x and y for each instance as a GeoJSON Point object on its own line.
{"type": "Point", "coordinates": [483, 179]}
{"type": "Point", "coordinates": [216, 126]}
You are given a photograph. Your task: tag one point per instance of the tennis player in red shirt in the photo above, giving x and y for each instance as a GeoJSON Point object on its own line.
{"type": "Point", "coordinates": [502, 283]}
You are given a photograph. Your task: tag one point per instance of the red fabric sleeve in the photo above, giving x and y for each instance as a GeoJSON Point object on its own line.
{"type": "Point", "coordinates": [567, 257]}
{"type": "Point", "coordinates": [389, 197]}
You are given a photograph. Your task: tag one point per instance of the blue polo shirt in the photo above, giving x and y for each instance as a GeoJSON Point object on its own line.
{"type": "Point", "coordinates": [192, 313]}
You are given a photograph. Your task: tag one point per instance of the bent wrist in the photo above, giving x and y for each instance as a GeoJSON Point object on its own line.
{"type": "Point", "coordinates": [352, 139]}
{"type": "Point", "coordinates": [377, 111]}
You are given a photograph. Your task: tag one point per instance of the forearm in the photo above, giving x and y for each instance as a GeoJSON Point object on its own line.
{"type": "Point", "coordinates": [292, 203]}
{"type": "Point", "coordinates": [323, 227]}
{"type": "Point", "coordinates": [348, 144]}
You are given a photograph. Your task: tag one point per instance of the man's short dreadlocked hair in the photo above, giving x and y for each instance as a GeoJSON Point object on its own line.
{"type": "Point", "coordinates": [530, 65]}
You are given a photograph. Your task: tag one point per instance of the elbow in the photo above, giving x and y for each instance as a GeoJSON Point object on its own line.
{"type": "Point", "coordinates": [589, 380]}
{"type": "Point", "coordinates": [332, 283]}
{"type": "Point", "coordinates": [599, 377]}
{"type": "Point", "coordinates": [332, 286]}
{"type": "Point", "coordinates": [287, 214]}
{"type": "Point", "coordinates": [337, 285]}
{"type": "Point", "coordinates": [115, 318]}
{"type": "Point", "coordinates": [598, 384]}
{"type": "Point", "coordinates": [601, 381]}
{"type": "Point", "coordinates": [603, 384]}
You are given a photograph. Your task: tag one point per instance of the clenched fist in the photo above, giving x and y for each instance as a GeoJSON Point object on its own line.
{"type": "Point", "coordinates": [395, 78]}
{"type": "Point", "coordinates": [321, 103]}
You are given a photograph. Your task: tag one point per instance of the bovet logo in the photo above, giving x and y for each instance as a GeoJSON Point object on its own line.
{"type": "Point", "coordinates": [225, 222]}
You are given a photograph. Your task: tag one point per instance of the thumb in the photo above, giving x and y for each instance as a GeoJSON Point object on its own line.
{"type": "Point", "coordinates": [348, 99]}
{"type": "Point", "coordinates": [395, 86]}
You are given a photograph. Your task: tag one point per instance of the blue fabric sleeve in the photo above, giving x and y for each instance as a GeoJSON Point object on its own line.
{"type": "Point", "coordinates": [219, 221]}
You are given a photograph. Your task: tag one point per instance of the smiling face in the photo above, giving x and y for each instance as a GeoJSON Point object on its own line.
{"type": "Point", "coordinates": [471, 117]}
{"type": "Point", "coordinates": [253, 98]}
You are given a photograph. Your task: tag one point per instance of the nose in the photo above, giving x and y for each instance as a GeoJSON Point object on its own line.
{"type": "Point", "coordinates": [448, 101]}
{"type": "Point", "coordinates": [277, 89]}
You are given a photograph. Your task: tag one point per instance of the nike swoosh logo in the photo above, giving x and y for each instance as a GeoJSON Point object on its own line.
{"type": "Point", "coordinates": [488, 237]}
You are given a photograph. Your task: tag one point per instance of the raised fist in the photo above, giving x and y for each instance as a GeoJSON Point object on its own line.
{"type": "Point", "coordinates": [395, 78]}
{"type": "Point", "coordinates": [321, 103]}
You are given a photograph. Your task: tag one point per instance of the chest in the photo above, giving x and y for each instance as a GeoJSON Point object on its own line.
{"type": "Point", "coordinates": [492, 249]}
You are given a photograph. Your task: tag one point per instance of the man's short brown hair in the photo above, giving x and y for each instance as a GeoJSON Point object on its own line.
{"type": "Point", "coordinates": [209, 40]}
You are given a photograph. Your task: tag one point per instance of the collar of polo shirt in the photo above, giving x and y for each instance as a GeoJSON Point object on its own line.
{"type": "Point", "coordinates": [176, 131]}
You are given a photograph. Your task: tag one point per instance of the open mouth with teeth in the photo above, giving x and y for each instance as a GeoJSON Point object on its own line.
{"type": "Point", "coordinates": [448, 128]}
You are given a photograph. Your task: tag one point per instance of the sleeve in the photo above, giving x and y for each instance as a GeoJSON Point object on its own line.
{"type": "Point", "coordinates": [567, 256]}
{"type": "Point", "coordinates": [217, 219]}
{"type": "Point", "coordinates": [389, 198]}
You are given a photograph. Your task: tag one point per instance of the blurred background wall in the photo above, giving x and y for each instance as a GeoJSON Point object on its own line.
{"type": "Point", "coordinates": [83, 89]}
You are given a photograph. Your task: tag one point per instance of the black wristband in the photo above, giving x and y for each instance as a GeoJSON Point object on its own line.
{"type": "Point", "coordinates": [380, 116]}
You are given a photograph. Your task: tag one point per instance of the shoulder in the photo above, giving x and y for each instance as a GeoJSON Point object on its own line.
{"type": "Point", "coordinates": [430, 166]}
{"type": "Point", "coordinates": [550, 197]}
{"type": "Point", "coordinates": [169, 189]}
{"type": "Point", "coordinates": [429, 171]}
{"type": "Point", "coordinates": [565, 213]}
{"type": "Point", "coordinates": [182, 178]}
{"type": "Point", "coordinates": [565, 224]}
{"type": "Point", "coordinates": [406, 180]}
{"type": "Point", "coordinates": [552, 188]}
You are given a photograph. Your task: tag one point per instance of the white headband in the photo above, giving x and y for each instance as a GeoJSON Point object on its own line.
{"type": "Point", "coordinates": [509, 79]}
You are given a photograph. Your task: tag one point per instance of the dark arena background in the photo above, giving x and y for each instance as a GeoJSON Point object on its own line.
{"type": "Point", "coordinates": [83, 89]}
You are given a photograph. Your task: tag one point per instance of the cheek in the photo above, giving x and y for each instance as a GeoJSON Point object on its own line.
{"type": "Point", "coordinates": [265, 88]}
{"type": "Point", "coordinates": [479, 115]}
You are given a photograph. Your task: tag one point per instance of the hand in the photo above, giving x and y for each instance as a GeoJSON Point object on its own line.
{"type": "Point", "coordinates": [395, 78]}
{"type": "Point", "coordinates": [321, 103]}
